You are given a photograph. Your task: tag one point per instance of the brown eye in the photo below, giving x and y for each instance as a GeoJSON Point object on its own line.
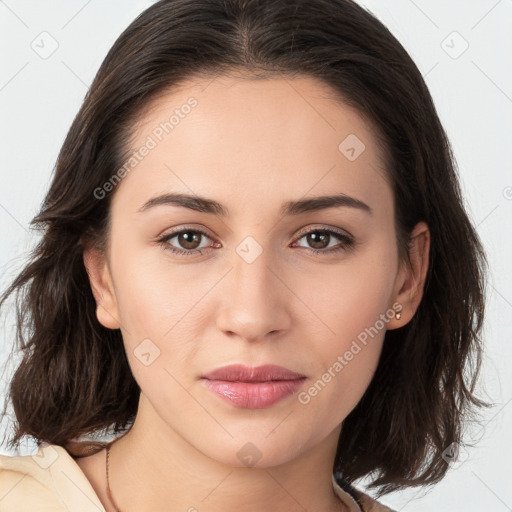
{"type": "Point", "coordinates": [187, 240]}
{"type": "Point", "coordinates": [318, 241]}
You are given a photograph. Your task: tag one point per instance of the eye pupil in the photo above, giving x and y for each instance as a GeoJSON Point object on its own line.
{"type": "Point", "coordinates": [187, 237]}
{"type": "Point", "coordinates": [317, 239]}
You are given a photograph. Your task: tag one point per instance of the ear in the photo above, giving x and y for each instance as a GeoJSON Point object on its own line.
{"type": "Point", "coordinates": [411, 277]}
{"type": "Point", "coordinates": [102, 288]}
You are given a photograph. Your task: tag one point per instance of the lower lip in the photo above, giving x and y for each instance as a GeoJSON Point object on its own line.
{"type": "Point", "coordinates": [253, 395]}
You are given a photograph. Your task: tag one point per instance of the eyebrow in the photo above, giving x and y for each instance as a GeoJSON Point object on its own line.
{"type": "Point", "coordinates": [205, 205]}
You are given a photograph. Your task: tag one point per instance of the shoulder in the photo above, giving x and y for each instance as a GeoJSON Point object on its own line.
{"type": "Point", "coordinates": [357, 500]}
{"type": "Point", "coordinates": [48, 481]}
{"type": "Point", "coordinates": [369, 504]}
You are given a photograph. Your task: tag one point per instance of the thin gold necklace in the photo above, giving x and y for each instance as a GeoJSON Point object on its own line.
{"type": "Point", "coordinates": [109, 493]}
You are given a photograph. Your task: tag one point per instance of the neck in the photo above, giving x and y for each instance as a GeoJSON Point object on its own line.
{"type": "Point", "coordinates": [156, 468]}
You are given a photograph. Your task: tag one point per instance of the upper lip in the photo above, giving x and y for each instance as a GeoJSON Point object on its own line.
{"type": "Point", "coordinates": [242, 373]}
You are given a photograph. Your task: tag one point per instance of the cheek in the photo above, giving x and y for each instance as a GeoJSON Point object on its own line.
{"type": "Point", "coordinates": [334, 393]}
{"type": "Point", "coordinates": [150, 293]}
{"type": "Point", "coordinates": [157, 305]}
{"type": "Point", "coordinates": [346, 360]}
{"type": "Point", "coordinates": [348, 298]}
{"type": "Point", "coordinates": [353, 304]}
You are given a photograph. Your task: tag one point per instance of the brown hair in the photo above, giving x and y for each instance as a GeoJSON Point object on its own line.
{"type": "Point", "coordinates": [74, 377]}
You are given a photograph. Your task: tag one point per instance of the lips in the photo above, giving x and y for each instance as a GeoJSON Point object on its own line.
{"type": "Point", "coordinates": [253, 388]}
{"type": "Point", "coordinates": [241, 373]}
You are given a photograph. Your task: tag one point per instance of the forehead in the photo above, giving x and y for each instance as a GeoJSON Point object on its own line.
{"type": "Point", "coordinates": [235, 139]}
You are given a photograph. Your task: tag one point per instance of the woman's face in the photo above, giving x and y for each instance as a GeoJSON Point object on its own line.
{"type": "Point", "coordinates": [257, 293]}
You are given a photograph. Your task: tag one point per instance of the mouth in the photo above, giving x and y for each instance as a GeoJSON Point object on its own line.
{"type": "Point", "coordinates": [253, 388]}
{"type": "Point", "coordinates": [242, 373]}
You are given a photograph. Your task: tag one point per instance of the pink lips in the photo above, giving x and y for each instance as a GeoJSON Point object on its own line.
{"type": "Point", "coordinates": [253, 388]}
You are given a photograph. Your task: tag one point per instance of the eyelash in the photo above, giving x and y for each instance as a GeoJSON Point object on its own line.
{"type": "Point", "coordinates": [347, 242]}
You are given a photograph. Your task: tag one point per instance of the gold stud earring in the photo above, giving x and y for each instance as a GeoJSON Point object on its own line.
{"type": "Point", "coordinates": [398, 315]}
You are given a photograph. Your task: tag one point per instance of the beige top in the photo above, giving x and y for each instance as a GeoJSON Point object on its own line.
{"type": "Point", "coordinates": [51, 481]}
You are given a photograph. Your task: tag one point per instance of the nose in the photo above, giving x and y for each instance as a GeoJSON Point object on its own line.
{"type": "Point", "coordinates": [254, 300]}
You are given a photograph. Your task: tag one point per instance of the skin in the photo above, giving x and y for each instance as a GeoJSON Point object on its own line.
{"type": "Point", "coordinates": [250, 145]}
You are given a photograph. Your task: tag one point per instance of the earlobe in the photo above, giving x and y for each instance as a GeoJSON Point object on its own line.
{"type": "Point", "coordinates": [412, 276]}
{"type": "Point", "coordinates": [102, 289]}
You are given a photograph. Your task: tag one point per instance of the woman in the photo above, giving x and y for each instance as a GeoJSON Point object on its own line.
{"type": "Point", "coordinates": [256, 264]}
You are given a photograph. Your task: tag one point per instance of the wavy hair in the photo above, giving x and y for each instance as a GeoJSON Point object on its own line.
{"type": "Point", "coordinates": [74, 377]}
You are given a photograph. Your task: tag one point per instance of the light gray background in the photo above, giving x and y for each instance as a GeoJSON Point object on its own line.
{"type": "Point", "coordinates": [472, 89]}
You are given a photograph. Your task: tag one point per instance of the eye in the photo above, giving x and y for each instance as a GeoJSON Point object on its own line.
{"type": "Point", "coordinates": [320, 239]}
{"type": "Point", "coordinates": [188, 238]}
